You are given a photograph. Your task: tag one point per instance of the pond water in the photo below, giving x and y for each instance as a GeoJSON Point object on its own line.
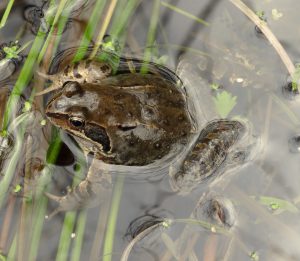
{"type": "Point", "coordinates": [228, 68]}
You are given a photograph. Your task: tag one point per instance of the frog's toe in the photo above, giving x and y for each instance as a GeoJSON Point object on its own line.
{"type": "Point", "coordinates": [65, 203]}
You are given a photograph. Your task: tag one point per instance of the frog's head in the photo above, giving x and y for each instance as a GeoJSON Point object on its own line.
{"type": "Point", "coordinates": [120, 125]}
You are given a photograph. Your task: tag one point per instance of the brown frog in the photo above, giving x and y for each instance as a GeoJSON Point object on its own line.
{"type": "Point", "coordinates": [137, 119]}
{"type": "Point", "coordinates": [125, 119]}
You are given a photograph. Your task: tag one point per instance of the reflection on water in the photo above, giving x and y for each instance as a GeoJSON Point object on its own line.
{"type": "Point", "coordinates": [229, 69]}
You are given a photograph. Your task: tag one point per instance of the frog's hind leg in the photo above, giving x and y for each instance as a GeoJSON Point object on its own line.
{"type": "Point", "coordinates": [88, 193]}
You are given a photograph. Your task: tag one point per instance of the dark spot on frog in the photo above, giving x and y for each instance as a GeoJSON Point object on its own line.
{"type": "Point", "coordinates": [99, 135]}
{"type": "Point", "coordinates": [67, 70]}
{"type": "Point", "coordinates": [147, 113]}
{"type": "Point", "coordinates": [181, 117]}
{"type": "Point", "coordinates": [87, 64]}
{"type": "Point", "coordinates": [165, 122]}
{"type": "Point", "coordinates": [76, 72]}
{"type": "Point", "coordinates": [157, 145]}
{"type": "Point", "coordinates": [72, 88]}
{"type": "Point", "coordinates": [131, 143]}
{"type": "Point", "coordinates": [119, 96]}
{"type": "Point", "coordinates": [105, 68]}
{"type": "Point", "coordinates": [183, 133]}
{"type": "Point", "coordinates": [126, 127]}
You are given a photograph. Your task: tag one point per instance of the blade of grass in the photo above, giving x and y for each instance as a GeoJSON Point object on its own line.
{"type": "Point", "coordinates": [112, 219]}
{"type": "Point", "coordinates": [38, 221]}
{"type": "Point", "coordinates": [59, 11]}
{"type": "Point", "coordinates": [6, 223]}
{"type": "Point", "coordinates": [13, 249]}
{"type": "Point", "coordinates": [79, 236]}
{"type": "Point", "coordinates": [151, 35]}
{"type": "Point", "coordinates": [6, 13]}
{"type": "Point", "coordinates": [19, 125]}
{"type": "Point", "coordinates": [185, 13]}
{"type": "Point", "coordinates": [121, 18]}
{"type": "Point", "coordinates": [65, 238]}
{"type": "Point", "coordinates": [90, 29]}
{"type": "Point", "coordinates": [268, 34]}
{"type": "Point", "coordinates": [104, 27]}
{"type": "Point", "coordinates": [32, 57]}
{"type": "Point", "coordinates": [101, 227]}
{"type": "Point", "coordinates": [26, 73]}
{"type": "Point", "coordinates": [25, 225]}
{"type": "Point", "coordinates": [68, 227]}
{"type": "Point", "coordinates": [41, 204]}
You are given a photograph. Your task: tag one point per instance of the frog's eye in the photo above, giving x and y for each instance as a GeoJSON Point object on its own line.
{"type": "Point", "coordinates": [77, 122]}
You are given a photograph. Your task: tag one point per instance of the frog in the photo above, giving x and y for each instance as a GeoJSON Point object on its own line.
{"type": "Point", "coordinates": [136, 119]}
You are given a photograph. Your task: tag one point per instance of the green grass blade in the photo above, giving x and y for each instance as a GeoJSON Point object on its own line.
{"type": "Point", "coordinates": [65, 238]}
{"type": "Point", "coordinates": [79, 233]}
{"type": "Point", "coordinates": [6, 13]}
{"type": "Point", "coordinates": [185, 13]}
{"type": "Point", "coordinates": [13, 250]}
{"type": "Point", "coordinates": [104, 27]}
{"type": "Point", "coordinates": [151, 34]}
{"type": "Point", "coordinates": [20, 124]}
{"type": "Point", "coordinates": [90, 29]}
{"type": "Point", "coordinates": [39, 218]}
{"type": "Point", "coordinates": [113, 215]}
{"type": "Point", "coordinates": [121, 19]}
{"type": "Point", "coordinates": [35, 55]}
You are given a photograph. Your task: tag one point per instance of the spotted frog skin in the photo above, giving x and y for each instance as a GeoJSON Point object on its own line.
{"type": "Point", "coordinates": [135, 119]}
{"type": "Point", "coordinates": [126, 119]}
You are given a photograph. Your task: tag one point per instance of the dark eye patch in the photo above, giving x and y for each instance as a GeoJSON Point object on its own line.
{"type": "Point", "coordinates": [98, 134]}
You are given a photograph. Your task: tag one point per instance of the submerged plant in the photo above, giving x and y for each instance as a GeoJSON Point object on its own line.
{"type": "Point", "coordinates": [224, 103]}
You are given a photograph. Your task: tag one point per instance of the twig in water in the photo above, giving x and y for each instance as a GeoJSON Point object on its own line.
{"type": "Point", "coordinates": [268, 34]}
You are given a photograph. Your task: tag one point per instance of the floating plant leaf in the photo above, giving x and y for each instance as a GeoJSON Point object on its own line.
{"type": "Point", "coordinates": [11, 51]}
{"type": "Point", "coordinates": [17, 188]}
{"type": "Point", "coordinates": [278, 205]}
{"type": "Point", "coordinates": [254, 256]}
{"type": "Point", "coordinates": [224, 103]}
{"type": "Point", "coordinates": [260, 14]}
{"type": "Point", "coordinates": [27, 107]}
{"type": "Point", "coordinates": [43, 122]}
{"type": "Point", "coordinates": [296, 77]}
{"type": "Point", "coordinates": [276, 14]}
{"type": "Point", "coordinates": [214, 86]}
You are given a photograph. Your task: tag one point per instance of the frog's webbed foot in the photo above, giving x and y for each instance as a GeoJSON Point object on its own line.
{"type": "Point", "coordinates": [88, 193]}
{"type": "Point", "coordinates": [244, 154]}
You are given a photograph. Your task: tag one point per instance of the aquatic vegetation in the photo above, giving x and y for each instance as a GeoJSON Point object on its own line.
{"type": "Point", "coordinates": [227, 75]}
{"type": "Point", "coordinates": [224, 102]}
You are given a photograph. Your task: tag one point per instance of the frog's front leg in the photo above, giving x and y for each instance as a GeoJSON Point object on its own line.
{"type": "Point", "coordinates": [89, 192]}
